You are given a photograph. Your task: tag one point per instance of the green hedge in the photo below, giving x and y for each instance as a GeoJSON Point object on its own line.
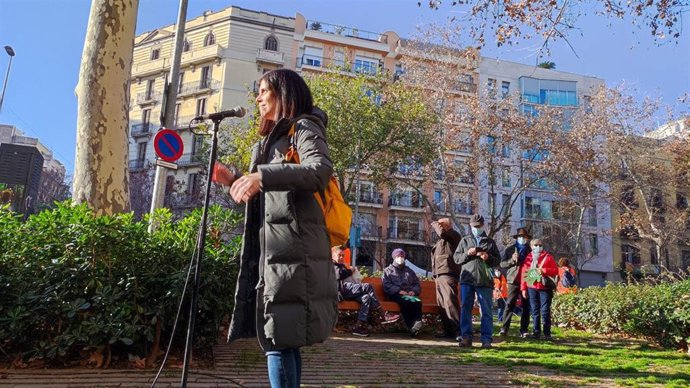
{"type": "Point", "coordinates": [72, 282]}
{"type": "Point", "coordinates": [659, 312]}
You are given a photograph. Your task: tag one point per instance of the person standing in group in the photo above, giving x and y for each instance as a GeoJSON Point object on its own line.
{"type": "Point", "coordinates": [537, 267]}
{"type": "Point", "coordinates": [476, 254]}
{"type": "Point", "coordinates": [446, 274]}
{"type": "Point", "coordinates": [286, 292]}
{"type": "Point", "coordinates": [513, 258]}
{"type": "Point", "coordinates": [567, 275]}
{"type": "Point", "coordinates": [401, 285]}
{"type": "Point", "coordinates": [350, 287]}
{"type": "Point", "coordinates": [500, 292]}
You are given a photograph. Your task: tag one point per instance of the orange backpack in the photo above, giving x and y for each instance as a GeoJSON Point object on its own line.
{"type": "Point", "coordinates": [336, 211]}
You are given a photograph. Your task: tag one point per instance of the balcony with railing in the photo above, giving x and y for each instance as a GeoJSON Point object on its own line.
{"type": "Point", "coordinates": [190, 160]}
{"type": "Point", "coordinates": [198, 87]}
{"type": "Point", "coordinates": [372, 232]}
{"type": "Point", "coordinates": [191, 57]}
{"type": "Point", "coordinates": [182, 123]}
{"type": "Point", "coordinates": [466, 87]}
{"type": "Point", "coordinates": [201, 54]}
{"type": "Point", "coordinates": [142, 129]}
{"type": "Point", "coordinates": [459, 208]}
{"type": "Point", "coordinates": [411, 203]}
{"type": "Point", "coordinates": [148, 97]}
{"type": "Point", "coordinates": [375, 198]}
{"type": "Point", "coordinates": [405, 234]}
{"type": "Point", "coordinates": [270, 56]}
{"type": "Point", "coordinates": [315, 61]}
{"type": "Point", "coordinates": [351, 32]}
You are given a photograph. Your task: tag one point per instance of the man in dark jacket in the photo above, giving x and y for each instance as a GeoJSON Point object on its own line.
{"type": "Point", "coordinates": [401, 285]}
{"type": "Point", "coordinates": [512, 260]}
{"type": "Point", "coordinates": [350, 288]}
{"type": "Point", "coordinates": [476, 254]}
{"type": "Point", "coordinates": [446, 274]}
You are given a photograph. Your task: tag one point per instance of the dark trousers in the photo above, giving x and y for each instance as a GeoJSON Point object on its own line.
{"type": "Point", "coordinates": [513, 295]}
{"type": "Point", "coordinates": [364, 294]}
{"type": "Point", "coordinates": [448, 300]}
{"type": "Point", "coordinates": [540, 303]}
{"type": "Point", "coordinates": [411, 311]}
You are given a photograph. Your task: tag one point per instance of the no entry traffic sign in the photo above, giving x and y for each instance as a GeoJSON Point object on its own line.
{"type": "Point", "coordinates": [168, 145]}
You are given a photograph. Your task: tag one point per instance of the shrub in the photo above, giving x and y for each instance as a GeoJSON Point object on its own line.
{"type": "Point", "coordinates": [659, 312]}
{"type": "Point", "coordinates": [72, 282]}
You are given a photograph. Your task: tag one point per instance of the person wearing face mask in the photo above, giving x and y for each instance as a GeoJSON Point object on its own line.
{"type": "Point", "coordinates": [540, 295]}
{"type": "Point", "coordinates": [401, 285]}
{"type": "Point", "coordinates": [513, 258]}
{"type": "Point", "coordinates": [476, 254]}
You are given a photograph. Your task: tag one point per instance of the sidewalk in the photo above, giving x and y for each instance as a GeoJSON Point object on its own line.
{"type": "Point", "coordinates": [377, 361]}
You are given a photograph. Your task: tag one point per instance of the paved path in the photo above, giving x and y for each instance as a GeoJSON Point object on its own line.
{"type": "Point", "coordinates": [382, 360]}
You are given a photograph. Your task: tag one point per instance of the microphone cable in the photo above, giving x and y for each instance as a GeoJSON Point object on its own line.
{"type": "Point", "coordinates": [179, 309]}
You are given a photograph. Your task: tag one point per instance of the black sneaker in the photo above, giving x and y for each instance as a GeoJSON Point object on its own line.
{"type": "Point", "coordinates": [503, 333]}
{"type": "Point", "coordinates": [360, 331]}
{"type": "Point", "coordinates": [547, 337]}
{"type": "Point", "coordinates": [486, 345]}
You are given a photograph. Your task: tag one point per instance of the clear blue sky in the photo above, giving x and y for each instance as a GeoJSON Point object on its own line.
{"type": "Point", "coordinates": [48, 37]}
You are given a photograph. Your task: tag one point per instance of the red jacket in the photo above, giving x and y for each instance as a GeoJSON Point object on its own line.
{"type": "Point", "coordinates": [546, 261]}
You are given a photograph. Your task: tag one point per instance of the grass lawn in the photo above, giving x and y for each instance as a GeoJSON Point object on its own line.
{"type": "Point", "coordinates": [575, 358]}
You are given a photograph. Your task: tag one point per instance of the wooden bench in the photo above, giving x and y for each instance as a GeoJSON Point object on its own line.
{"type": "Point", "coordinates": [428, 297]}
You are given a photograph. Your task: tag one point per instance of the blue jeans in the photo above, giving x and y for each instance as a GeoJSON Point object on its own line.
{"type": "Point", "coordinates": [467, 292]}
{"type": "Point", "coordinates": [501, 307]}
{"type": "Point", "coordinates": [540, 305]}
{"type": "Point", "coordinates": [284, 368]}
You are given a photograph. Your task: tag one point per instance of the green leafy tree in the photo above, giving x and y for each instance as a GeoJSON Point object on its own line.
{"type": "Point", "coordinates": [375, 126]}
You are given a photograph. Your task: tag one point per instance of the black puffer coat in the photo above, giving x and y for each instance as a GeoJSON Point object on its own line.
{"type": "Point", "coordinates": [286, 290]}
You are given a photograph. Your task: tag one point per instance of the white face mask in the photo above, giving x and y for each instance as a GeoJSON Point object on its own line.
{"type": "Point", "coordinates": [536, 251]}
{"type": "Point", "coordinates": [476, 231]}
{"type": "Point", "coordinates": [522, 240]}
{"type": "Point", "coordinates": [399, 261]}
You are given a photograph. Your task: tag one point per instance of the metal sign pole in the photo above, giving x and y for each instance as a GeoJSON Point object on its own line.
{"type": "Point", "coordinates": [169, 106]}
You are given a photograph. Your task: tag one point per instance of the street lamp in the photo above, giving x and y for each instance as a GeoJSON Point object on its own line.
{"type": "Point", "coordinates": [10, 52]}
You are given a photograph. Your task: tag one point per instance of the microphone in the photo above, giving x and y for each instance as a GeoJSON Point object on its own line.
{"type": "Point", "coordinates": [238, 111]}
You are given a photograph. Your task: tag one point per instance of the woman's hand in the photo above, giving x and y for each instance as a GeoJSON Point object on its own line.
{"type": "Point", "coordinates": [246, 187]}
{"type": "Point", "coordinates": [524, 294]}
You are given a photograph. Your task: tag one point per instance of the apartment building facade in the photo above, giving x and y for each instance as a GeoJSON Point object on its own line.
{"type": "Point", "coordinates": [532, 87]}
{"type": "Point", "coordinates": [666, 200]}
{"type": "Point", "coordinates": [226, 51]}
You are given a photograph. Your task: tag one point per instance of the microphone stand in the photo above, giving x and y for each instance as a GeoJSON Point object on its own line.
{"type": "Point", "coordinates": [201, 238]}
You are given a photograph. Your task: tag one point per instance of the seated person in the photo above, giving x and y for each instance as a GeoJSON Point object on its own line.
{"type": "Point", "coordinates": [401, 285]}
{"type": "Point", "coordinates": [349, 288]}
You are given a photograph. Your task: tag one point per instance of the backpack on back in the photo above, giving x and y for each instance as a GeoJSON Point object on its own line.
{"type": "Point", "coordinates": [336, 211]}
{"type": "Point", "coordinates": [568, 280]}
